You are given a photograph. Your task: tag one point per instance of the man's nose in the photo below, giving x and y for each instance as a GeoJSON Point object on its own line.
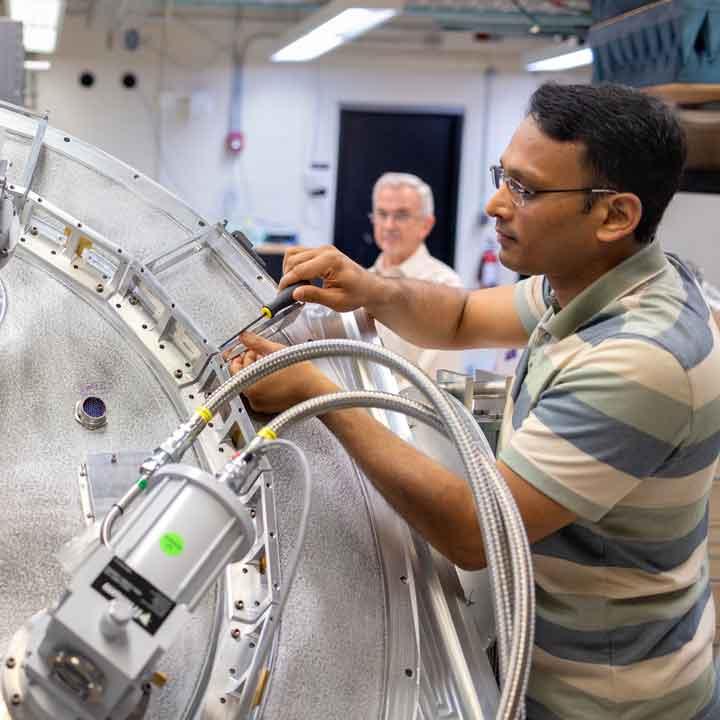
{"type": "Point", "coordinates": [500, 204]}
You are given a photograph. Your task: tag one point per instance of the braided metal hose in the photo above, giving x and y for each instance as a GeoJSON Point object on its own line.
{"type": "Point", "coordinates": [483, 483]}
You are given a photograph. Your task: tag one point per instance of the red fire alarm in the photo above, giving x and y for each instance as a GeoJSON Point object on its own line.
{"type": "Point", "coordinates": [235, 142]}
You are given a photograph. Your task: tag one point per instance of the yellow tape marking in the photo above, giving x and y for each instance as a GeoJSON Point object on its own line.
{"type": "Point", "coordinates": [267, 433]}
{"type": "Point", "coordinates": [204, 413]}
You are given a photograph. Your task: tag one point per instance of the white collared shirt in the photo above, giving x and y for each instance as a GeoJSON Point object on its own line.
{"type": "Point", "coordinates": [421, 265]}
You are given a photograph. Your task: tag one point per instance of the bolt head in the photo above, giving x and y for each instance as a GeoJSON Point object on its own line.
{"type": "Point", "coordinates": [235, 632]}
{"type": "Point", "coordinates": [178, 373]}
{"type": "Point", "coordinates": [10, 663]}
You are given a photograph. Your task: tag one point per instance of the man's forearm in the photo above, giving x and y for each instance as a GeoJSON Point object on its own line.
{"type": "Point", "coordinates": [446, 318]}
{"type": "Point", "coordinates": [434, 501]}
{"type": "Point", "coordinates": [427, 314]}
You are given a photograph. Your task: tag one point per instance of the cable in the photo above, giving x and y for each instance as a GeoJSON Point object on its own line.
{"type": "Point", "coordinates": [351, 399]}
{"type": "Point", "coordinates": [266, 638]}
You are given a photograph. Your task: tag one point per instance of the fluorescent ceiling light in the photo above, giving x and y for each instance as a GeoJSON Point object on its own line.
{"type": "Point", "coordinates": [41, 21]}
{"type": "Point", "coordinates": [561, 56]}
{"type": "Point", "coordinates": [576, 58]}
{"type": "Point", "coordinates": [37, 65]}
{"type": "Point", "coordinates": [330, 26]}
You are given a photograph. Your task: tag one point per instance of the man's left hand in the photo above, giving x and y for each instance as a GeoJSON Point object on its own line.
{"type": "Point", "coordinates": [283, 389]}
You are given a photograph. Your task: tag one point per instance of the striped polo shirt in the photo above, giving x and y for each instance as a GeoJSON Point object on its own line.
{"type": "Point", "coordinates": [615, 414]}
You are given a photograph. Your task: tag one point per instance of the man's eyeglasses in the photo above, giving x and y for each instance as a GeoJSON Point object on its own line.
{"type": "Point", "coordinates": [401, 217]}
{"type": "Point", "coordinates": [520, 195]}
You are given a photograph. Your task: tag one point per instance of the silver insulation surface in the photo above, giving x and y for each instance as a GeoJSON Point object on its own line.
{"type": "Point", "coordinates": [330, 661]}
{"type": "Point", "coordinates": [214, 298]}
{"type": "Point", "coordinates": [112, 208]}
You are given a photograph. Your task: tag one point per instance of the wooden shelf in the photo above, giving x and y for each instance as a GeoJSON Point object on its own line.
{"type": "Point", "coordinates": [686, 93]}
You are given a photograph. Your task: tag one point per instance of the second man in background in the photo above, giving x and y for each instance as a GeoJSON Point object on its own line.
{"type": "Point", "coordinates": [402, 218]}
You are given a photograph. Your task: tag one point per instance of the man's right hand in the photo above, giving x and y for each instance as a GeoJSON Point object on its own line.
{"type": "Point", "coordinates": [346, 285]}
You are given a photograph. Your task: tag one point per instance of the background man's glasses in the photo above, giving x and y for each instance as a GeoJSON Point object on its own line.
{"type": "Point", "coordinates": [401, 217]}
{"type": "Point", "coordinates": [520, 195]}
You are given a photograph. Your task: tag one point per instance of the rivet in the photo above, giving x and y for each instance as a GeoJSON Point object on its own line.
{"type": "Point", "coordinates": [99, 287]}
{"type": "Point", "coordinates": [239, 604]}
{"type": "Point", "coordinates": [235, 632]}
{"type": "Point", "coordinates": [10, 662]}
{"type": "Point", "coordinates": [16, 699]}
{"type": "Point", "coordinates": [178, 373]}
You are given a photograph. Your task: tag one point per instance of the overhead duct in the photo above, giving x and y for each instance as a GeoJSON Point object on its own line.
{"type": "Point", "coordinates": [671, 48]}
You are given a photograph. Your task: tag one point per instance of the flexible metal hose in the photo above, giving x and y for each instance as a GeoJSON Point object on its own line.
{"type": "Point", "coordinates": [523, 627]}
{"type": "Point", "coordinates": [353, 399]}
{"type": "Point", "coordinates": [483, 483]}
{"type": "Point", "coordinates": [490, 520]}
{"type": "Point", "coordinates": [516, 538]}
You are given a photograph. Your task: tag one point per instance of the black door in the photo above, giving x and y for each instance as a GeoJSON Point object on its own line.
{"type": "Point", "coordinates": [374, 142]}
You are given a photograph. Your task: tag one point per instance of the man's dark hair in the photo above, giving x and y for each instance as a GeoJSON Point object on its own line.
{"type": "Point", "coordinates": [633, 142]}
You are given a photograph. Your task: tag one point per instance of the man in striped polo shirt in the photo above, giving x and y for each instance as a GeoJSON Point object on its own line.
{"type": "Point", "coordinates": [613, 428]}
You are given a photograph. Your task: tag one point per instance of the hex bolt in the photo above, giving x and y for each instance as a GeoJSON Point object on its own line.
{"type": "Point", "coordinates": [235, 632]}
{"type": "Point", "coordinates": [10, 663]}
{"type": "Point", "coordinates": [178, 373]}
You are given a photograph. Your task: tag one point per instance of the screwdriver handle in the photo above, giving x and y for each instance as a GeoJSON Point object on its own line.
{"type": "Point", "coordinates": [282, 300]}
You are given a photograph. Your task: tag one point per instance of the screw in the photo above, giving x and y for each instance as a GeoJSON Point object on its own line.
{"type": "Point", "coordinates": [132, 300]}
{"type": "Point", "coordinates": [4, 252]}
{"type": "Point", "coordinates": [99, 287]}
{"type": "Point", "coordinates": [10, 663]}
{"type": "Point", "coordinates": [16, 699]}
{"type": "Point", "coordinates": [113, 458]}
{"type": "Point", "coordinates": [253, 514]}
{"type": "Point", "coordinates": [239, 604]}
{"type": "Point", "coordinates": [235, 632]}
{"type": "Point", "coordinates": [178, 373]}
{"type": "Point", "coordinates": [33, 230]}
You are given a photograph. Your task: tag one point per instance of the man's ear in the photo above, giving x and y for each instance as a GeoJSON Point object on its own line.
{"type": "Point", "coordinates": [621, 215]}
{"type": "Point", "coordinates": [428, 225]}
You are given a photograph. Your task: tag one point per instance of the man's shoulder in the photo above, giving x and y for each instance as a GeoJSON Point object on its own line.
{"type": "Point", "coordinates": [427, 267]}
{"type": "Point", "coordinates": [668, 313]}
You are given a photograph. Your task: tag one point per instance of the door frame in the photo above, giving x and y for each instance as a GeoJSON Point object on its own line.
{"type": "Point", "coordinates": [400, 109]}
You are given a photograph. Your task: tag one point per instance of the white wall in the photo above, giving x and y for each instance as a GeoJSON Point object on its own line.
{"type": "Point", "coordinates": [173, 125]}
{"type": "Point", "coordinates": [690, 228]}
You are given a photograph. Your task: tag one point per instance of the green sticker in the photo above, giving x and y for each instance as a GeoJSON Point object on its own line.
{"type": "Point", "coordinates": [172, 543]}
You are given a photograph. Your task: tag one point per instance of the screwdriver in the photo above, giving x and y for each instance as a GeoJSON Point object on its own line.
{"type": "Point", "coordinates": [278, 307]}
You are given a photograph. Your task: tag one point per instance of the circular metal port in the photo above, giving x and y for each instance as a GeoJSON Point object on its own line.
{"type": "Point", "coordinates": [91, 412]}
{"type": "Point", "coordinates": [78, 674]}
